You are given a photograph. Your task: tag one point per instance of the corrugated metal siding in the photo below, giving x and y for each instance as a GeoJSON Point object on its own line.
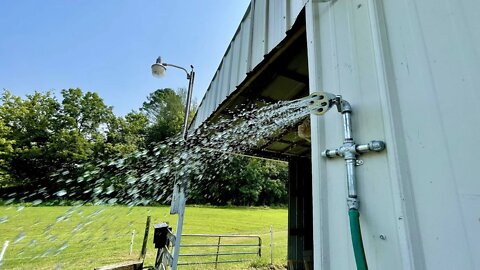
{"type": "Point", "coordinates": [261, 30]}
{"type": "Point", "coordinates": [243, 41]}
{"type": "Point", "coordinates": [410, 69]}
{"type": "Point", "coordinates": [293, 8]}
{"type": "Point", "coordinates": [276, 24]}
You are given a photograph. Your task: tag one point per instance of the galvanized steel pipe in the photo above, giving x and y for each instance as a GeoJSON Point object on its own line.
{"type": "Point", "coordinates": [349, 151]}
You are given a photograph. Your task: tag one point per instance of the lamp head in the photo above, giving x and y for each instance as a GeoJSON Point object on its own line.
{"type": "Point", "coordinates": [159, 68]}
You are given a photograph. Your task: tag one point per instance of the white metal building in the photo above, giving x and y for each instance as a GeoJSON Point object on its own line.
{"type": "Point", "coordinates": [411, 71]}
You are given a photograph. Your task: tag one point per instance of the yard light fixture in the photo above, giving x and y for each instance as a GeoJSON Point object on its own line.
{"type": "Point", "coordinates": [159, 69]}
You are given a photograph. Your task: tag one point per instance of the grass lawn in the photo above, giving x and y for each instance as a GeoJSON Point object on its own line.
{"type": "Point", "coordinates": [83, 237]}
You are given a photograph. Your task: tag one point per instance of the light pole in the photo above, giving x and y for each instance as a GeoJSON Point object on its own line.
{"type": "Point", "coordinates": [178, 198]}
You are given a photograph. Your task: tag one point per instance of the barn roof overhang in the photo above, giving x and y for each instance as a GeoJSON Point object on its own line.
{"type": "Point", "coordinates": [281, 75]}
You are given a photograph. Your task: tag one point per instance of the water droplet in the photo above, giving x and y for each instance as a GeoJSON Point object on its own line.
{"type": "Point", "coordinates": [20, 237]}
{"type": "Point", "coordinates": [131, 180]}
{"type": "Point", "coordinates": [36, 202]}
{"type": "Point", "coordinates": [63, 246]}
{"type": "Point", "coordinates": [20, 208]}
{"type": "Point", "coordinates": [97, 190]}
{"type": "Point", "coordinates": [165, 170]}
{"type": "Point", "coordinates": [61, 193]}
{"type": "Point", "coordinates": [112, 201]}
{"type": "Point", "coordinates": [52, 238]}
{"type": "Point", "coordinates": [3, 219]}
{"type": "Point", "coordinates": [110, 189]}
{"type": "Point", "coordinates": [9, 201]}
{"type": "Point", "coordinates": [33, 243]}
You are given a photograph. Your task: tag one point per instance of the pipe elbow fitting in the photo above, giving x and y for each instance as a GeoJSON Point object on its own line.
{"type": "Point", "coordinates": [346, 107]}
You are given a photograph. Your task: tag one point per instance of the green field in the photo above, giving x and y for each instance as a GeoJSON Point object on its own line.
{"type": "Point", "coordinates": [83, 237]}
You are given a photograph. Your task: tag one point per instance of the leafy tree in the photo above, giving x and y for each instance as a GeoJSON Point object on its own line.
{"type": "Point", "coordinates": [182, 92]}
{"type": "Point", "coordinates": [164, 109]}
{"type": "Point", "coordinates": [239, 180]}
{"type": "Point", "coordinates": [6, 149]}
{"type": "Point", "coordinates": [41, 136]}
{"type": "Point", "coordinates": [274, 187]}
{"type": "Point", "coordinates": [85, 114]}
{"type": "Point", "coordinates": [30, 122]}
{"type": "Point", "coordinates": [127, 134]}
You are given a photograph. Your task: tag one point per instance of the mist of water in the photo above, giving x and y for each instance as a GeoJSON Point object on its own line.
{"type": "Point", "coordinates": [147, 176]}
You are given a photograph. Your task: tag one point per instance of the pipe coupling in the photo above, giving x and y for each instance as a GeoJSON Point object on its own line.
{"type": "Point", "coordinates": [353, 203]}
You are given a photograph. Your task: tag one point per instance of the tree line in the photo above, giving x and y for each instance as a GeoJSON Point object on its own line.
{"type": "Point", "coordinates": [47, 145]}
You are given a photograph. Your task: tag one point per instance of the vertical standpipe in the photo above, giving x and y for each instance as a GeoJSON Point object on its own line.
{"type": "Point", "coordinates": [350, 156]}
{"type": "Point", "coordinates": [349, 151]}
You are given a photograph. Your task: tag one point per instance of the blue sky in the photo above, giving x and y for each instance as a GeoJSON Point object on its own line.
{"type": "Point", "coordinates": [108, 46]}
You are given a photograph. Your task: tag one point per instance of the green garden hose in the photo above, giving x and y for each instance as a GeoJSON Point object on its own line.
{"type": "Point", "coordinates": [357, 242]}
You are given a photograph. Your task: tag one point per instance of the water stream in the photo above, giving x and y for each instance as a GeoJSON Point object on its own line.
{"type": "Point", "coordinates": [147, 177]}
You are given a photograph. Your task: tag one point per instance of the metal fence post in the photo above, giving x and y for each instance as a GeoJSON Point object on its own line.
{"type": "Point", "coordinates": [131, 242]}
{"type": "Point", "coordinates": [259, 246]}
{"type": "Point", "coordinates": [178, 236]}
{"type": "Point", "coordinates": [218, 250]}
{"type": "Point", "coordinates": [143, 253]}
{"type": "Point", "coordinates": [271, 244]}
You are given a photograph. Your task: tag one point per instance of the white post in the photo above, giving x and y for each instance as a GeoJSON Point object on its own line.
{"type": "Point", "coordinates": [271, 244]}
{"type": "Point", "coordinates": [131, 242]}
{"type": "Point", "coordinates": [178, 236]}
{"type": "Point", "coordinates": [5, 245]}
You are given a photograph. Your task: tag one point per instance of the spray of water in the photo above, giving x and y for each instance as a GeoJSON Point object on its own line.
{"type": "Point", "coordinates": [147, 176]}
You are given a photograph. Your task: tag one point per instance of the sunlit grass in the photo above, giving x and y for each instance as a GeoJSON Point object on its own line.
{"type": "Point", "coordinates": [60, 237]}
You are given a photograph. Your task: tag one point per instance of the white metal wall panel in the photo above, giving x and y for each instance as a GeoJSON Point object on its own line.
{"type": "Point", "coordinates": [236, 47]}
{"type": "Point", "coordinates": [216, 90]}
{"type": "Point", "coordinates": [262, 28]}
{"type": "Point", "coordinates": [276, 23]}
{"type": "Point", "coordinates": [259, 31]}
{"type": "Point", "coordinates": [227, 85]}
{"type": "Point", "coordinates": [341, 61]}
{"type": "Point", "coordinates": [293, 9]}
{"type": "Point", "coordinates": [244, 38]}
{"type": "Point", "coordinates": [438, 64]}
{"type": "Point", "coordinates": [410, 69]}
